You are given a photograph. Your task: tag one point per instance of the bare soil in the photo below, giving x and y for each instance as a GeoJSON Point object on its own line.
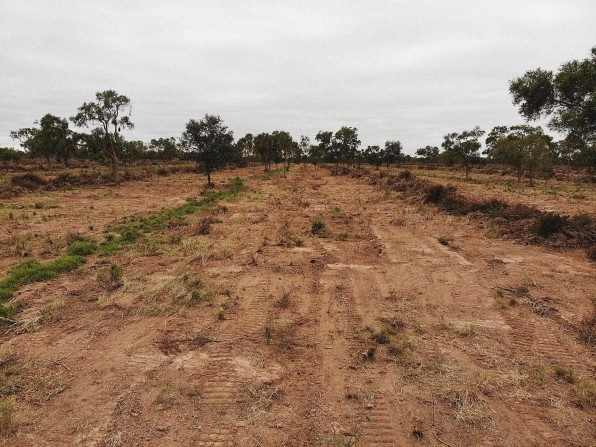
{"type": "Point", "coordinates": [264, 329]}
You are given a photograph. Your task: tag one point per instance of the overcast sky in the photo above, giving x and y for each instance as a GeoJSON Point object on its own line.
{"type": "Point", "coordinates": [396, 70]}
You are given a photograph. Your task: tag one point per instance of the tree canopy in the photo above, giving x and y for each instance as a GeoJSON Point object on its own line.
{"type": "Point", "coordinates": [210, 142]}
{"type": "Point", "coordinates": [463, 147]}
{"type": "Point", "coordinates": [524, 147]}
{"type": "Point", "coordinates": [52, 138]}
{"type": "Point", "coordinates": [567, 96]}
{"type": "Point", "coordinates": [110, 113]}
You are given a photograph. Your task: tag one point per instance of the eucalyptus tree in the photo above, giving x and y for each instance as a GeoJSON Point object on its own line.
{"type": "Point", "coordinates": [110, 114]}
{"type": "Point", "coordinates": [463, 147]}
{"type": "Point", "coordinates": [567, 96]}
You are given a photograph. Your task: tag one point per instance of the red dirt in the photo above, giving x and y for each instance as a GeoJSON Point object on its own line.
{"type": "Point", "coordinates": [483, 333]}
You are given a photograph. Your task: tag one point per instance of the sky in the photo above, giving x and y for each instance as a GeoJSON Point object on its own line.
{"type": "Point", "coordinates": [411, 71]}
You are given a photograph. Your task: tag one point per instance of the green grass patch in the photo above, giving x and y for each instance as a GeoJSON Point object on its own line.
{"type": "Point", "coordinates": [31, 271]}
{"type": "Point", "coordinates": [82, 248]}
{"type": "Point", "coordinates": [133, 228]}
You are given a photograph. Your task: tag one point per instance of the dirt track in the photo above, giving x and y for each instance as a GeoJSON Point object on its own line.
{"type": "Point", "coordinates": [368, 333]}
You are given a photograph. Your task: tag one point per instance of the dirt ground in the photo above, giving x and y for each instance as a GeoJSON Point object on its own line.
{"type": "Point", "coordinates": [315, 310]}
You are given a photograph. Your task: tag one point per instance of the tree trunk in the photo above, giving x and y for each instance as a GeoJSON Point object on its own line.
{"type": "Point", "coordinates": [115, 165]}
{"type": "Point", "coordinates": [209, 184]}
{"type": "Point", "coordinates": [467, 170]}
{"type": "Point", "coordinates": [520, 171]}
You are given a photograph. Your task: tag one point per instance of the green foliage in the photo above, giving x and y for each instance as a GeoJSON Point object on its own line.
{"type": "Point", "coordinates": [344, 146]}
{"type": "Point", "coordinates": [524, 147]}
{"type": "Point", "coordinates": [392, 153]}
{"type": "Point", "coordinates": [130, 230]}
{"type": "Point", "coordinates": [82, 248]}
{"type": "Point", "coordinates": [318, 225]}
{"type": "Point", "coordinates": [165, 148]}
{"type": "Point", "coordinates": [31, 271]}
{"type": "Point", "coordinates": [110, 113]}
{"type": "Point", "coordinates": [569, 97]}
{"type": "Point", "coordinates": [52, 138]}
{"type": "Point", "coordinates": [210, 143]}
{"type": "Point", "coordinates": [10, 154]}
{"type": "Point", "coordinates": [463, 147]}
{"type": "Point", "coordinates": [430, 154]}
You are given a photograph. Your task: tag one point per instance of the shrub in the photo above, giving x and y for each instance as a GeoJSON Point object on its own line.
{"type": "Point", "coordinates": [318, 225]}
{"type": "Point", "coordinates": [28, 181]}
{"type": "Point", "coordinates": [549, 223]}
{"type": "Point", "coordinates": [405, 175]}
{"type": "Point", "coordinates": [82, 248]}
{"type": "Point", "coordinates": [437, 193]}
{"type": "Point", "coordinates": [7, 422]}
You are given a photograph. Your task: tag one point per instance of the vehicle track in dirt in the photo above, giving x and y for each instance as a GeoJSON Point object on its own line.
{"type": "Point", "coordinates": [287, 351]}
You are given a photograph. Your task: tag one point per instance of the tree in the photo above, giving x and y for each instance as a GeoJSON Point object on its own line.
{"type": "Point", "coordinates": [324, 148]}
{"type": "Point", "coordinates": [344, 146]}
{"type": "Point", "coordinates": [392, 153]}
{"type": "Point", "coordinates": [569, 97]}
{"type": "Point", "coordinates": [132, 151]}
{"type": "Point", "coordinates": [373, 155]}
{"type": "Point", "coordinates": [111, 113]}
{"type": "Point", "coordinates": [463, 147]}
{"type": "Point", "coordinates": [246, 146]}
{"type": "Point", "coordinates": [304, 147]}
{"type": "Point", "coordinates": [264, 145]}
{"type": "Point", "coordinates": [430, 154]}
{"type": "Point", "coordinates": [210, 142]}
{"type": "Point", "coordinates": [166, 148]}
{"type": "Point", "coordinates": [524, 147]}
{"type": "Point", "coordinates": [52, 138]}
{"type": "Point", "coordinates": [283, 147]}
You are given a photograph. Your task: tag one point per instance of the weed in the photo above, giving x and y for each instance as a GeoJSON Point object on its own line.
{"type": "Point", "coordinates": [468, 330]}
{"type": "Point", "coordinates": [382, 337]}
{"type": "Point", "coordinates": [52, 312]}
{"type": "Point", "coordinates": [405, 175]}
{"type": "Point", "coordinates": [565, 374]}
{"type": "Point", "coordinates": [7, 420]}
{"type": "Point", "coordinates": [393, 295]}
{"type": "Point", "coordinates": [584, 392]}
{"type": "Point", "coordinates": [535, 374]}
{"type": "Point", "coordinates": [82, 248]}
{"type": "Point", "coordinates": [399, 349]}
{"type": "Point", "coordinates": [369, 354]}
{"type": "Point", "coordinates": [443, 241]}
{"type": "Point", "coordinates": [220, 314]}
{"type": "Point", "coordinates": [284, 302]}
{"type": "Point", "coordinates": [165, 398]}
{"type": "Point", "coordinates": [112, 277]}
{"type": "Point", "coordinates": [470, 407]}
{"type": "Point", "coordinates": [318, 225]}
{"type": "Point", "coordinates": [549, 223]}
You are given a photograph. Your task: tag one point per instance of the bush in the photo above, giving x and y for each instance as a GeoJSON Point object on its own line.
{"type": "Point", "coordinates": [549, 223]}
{"type": "Point", "coordinates": [437, 193]}
{"type": "Point", "coordinates": [28, 181]}
{"type": "Point", "coordinates": [318, 225]}
{"type": "Point", "coordinates": [82, 248]}
{"type": "Point", "coordinates": [405, 175]}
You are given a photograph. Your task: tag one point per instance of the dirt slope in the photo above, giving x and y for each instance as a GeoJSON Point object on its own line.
{"type": "Point", "coordinates": [369, 332]}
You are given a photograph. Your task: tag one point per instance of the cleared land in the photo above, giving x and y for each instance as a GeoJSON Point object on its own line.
{"type": "Point", "coordinates": [303, 310]}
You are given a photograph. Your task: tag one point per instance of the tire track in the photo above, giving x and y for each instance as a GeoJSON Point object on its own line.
{"type": "Point", "coordinates": [221, 385]}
